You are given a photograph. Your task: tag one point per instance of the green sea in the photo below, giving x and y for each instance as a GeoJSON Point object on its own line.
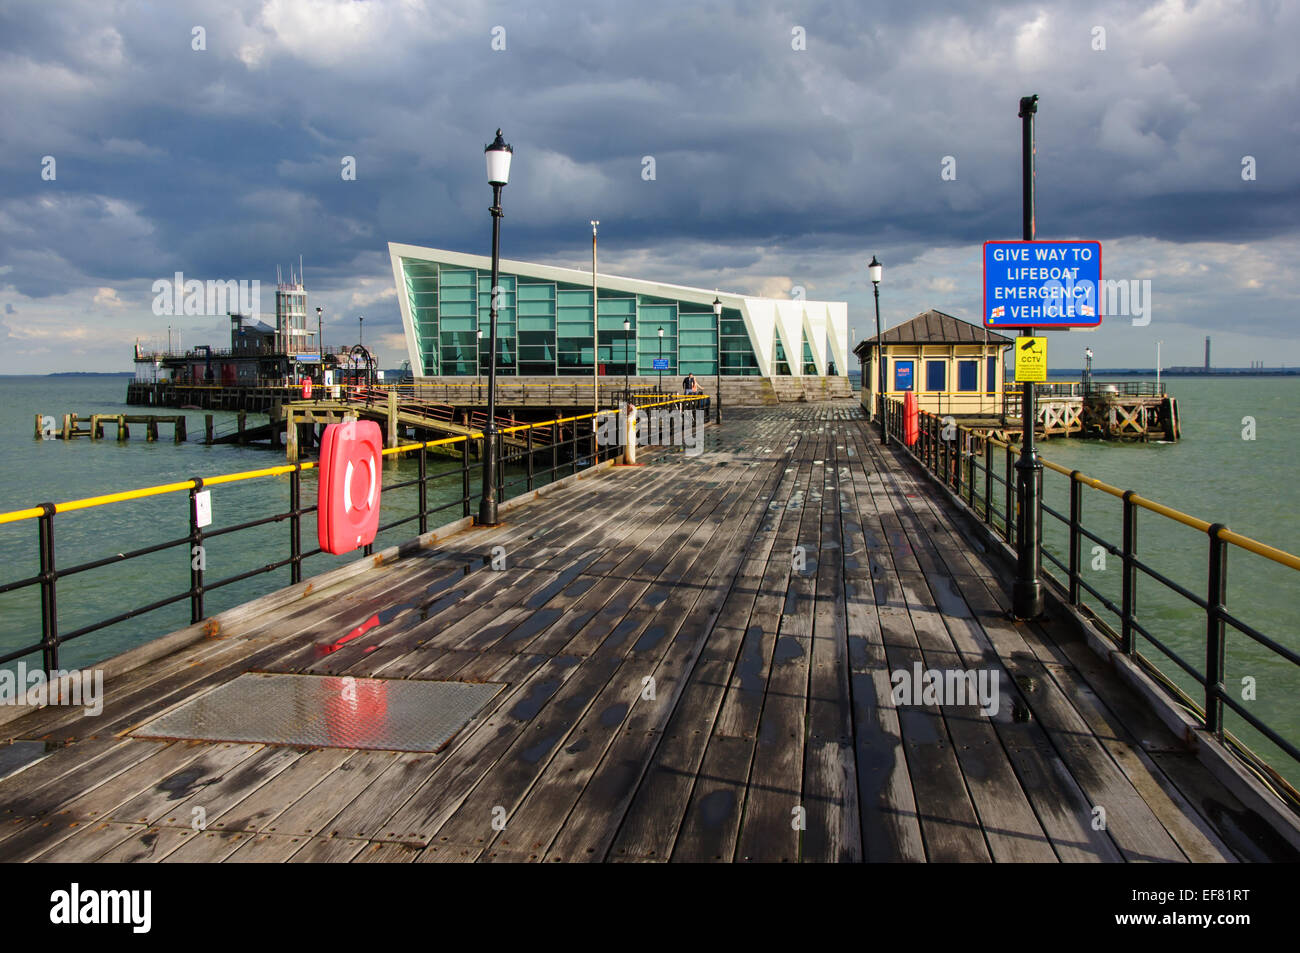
{"type": "Point", "coordinates": [34, 471]}
{"type": "Point", "coordinates": [1212, 473]}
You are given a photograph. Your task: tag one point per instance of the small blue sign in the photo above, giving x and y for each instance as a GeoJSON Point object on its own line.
{"type": "Point", "coordinates": [1044, 285]}
{"type": "Point", "coordinates": [902, 375]}
{"type": "Point", "coordinates": [661, 363]}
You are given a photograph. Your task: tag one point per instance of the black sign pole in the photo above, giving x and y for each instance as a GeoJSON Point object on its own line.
{"type": "Point", "coordinates": [1027, 591]}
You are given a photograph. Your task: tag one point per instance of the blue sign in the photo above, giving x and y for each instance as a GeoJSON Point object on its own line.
{"type": "Point", "coordinates": [1044, 285]}
{"type": "Point", "coordinates": [902, 375]}
{"type": "Point", "coordinates": [661, 363]}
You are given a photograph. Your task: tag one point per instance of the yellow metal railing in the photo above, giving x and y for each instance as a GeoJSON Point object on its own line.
{"type": "Point", "coordinates": [68, 506]}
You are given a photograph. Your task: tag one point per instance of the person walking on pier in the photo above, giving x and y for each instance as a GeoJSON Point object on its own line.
{"type": "Point", "coordinates": [691, 386]}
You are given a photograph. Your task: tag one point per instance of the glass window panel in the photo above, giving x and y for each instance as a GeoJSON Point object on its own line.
{"type": "Point", "coordinates": [696, 338]}
{"type": "Point", "coordinates": [696, 367]}
{"type": "Point", "coordinates": [936, 375]}
{"type": "Point", "coordinates": [620, 306]}
{"type": "Point", "coordinates": [544, 292]}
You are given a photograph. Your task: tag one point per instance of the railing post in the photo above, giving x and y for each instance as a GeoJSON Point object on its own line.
{"type": "Point", "coordinates": [1129, 580]}
{"type": "Point", "coordinates": [197, 559]}
{"type": "Point", "coordinates": [947, 456]}
{"type": "Point", "coordinates": [1216, 599]}
{"type": "Point", "coordinates": [988, 481]}
{"type": "Point", "coordinates": [968, 452]}
{"type": "Point", "coordinates": [295, 525]}
{"type": "Point", "coordinates": [464, 475]}
{"type": "Point", "coordinates": [932, 432]}
{"type": "Point", "coordinates": [501, 466]}
{"type": "Point", "coordinates": [1076, 516]}
{"type": "Point", "coordinates": [424, 489]}
{"type": "Point", "coordinates": [49, 580]}
{"type": "Point", "coordinates": [959, 463]}
{"type": "Point", "coordinates": [529, 452]}
{"type": "Point", "coordinates": [555, 450]}
{"type": "Point", "coordinates": [1008, 518]}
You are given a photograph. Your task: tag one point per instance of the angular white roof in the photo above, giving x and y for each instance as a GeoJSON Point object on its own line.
{"type": "Point", "coordinates": [823, 323]}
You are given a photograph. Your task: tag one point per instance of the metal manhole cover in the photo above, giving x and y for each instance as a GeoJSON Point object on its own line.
{"type": "Point", "coordinates": [325, 711]}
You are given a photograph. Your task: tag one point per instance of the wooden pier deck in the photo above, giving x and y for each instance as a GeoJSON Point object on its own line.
{"type": "Point", "coordinates": [771, 699]}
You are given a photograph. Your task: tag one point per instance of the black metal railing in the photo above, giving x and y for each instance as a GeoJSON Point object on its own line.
{"type": "Point", "coordinates": [541, 453]}
{"type": "Point", "coordinates": [979, 471]}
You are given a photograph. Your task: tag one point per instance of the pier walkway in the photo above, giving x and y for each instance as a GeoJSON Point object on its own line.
{"type": "Point", "coordinates": [678, 686]}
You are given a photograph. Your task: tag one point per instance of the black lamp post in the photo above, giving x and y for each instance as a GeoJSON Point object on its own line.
{"type": "Point", "coordinates": [660, 388]}
{"type": "Point", "coordinates": [875, 269]}
{"type": "Point", "coordinates": [1087, 369]}
{"type": "Point", "coordinates": [627, 358]}
{"type": "Point", "coordinates": [498, 172]}
{"type": "Point", "coordinates": [717, 364]}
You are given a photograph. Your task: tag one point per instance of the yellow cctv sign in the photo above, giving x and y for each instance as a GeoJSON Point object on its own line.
{"type": "Point", "coordinates": [1031, 360]}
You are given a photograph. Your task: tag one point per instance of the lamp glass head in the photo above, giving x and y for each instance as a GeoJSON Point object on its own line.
{"type": "Point", "coordinates": [498, 161]}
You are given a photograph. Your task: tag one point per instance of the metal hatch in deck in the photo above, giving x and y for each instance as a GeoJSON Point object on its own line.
{"type": "Point", "coordinates": [326, 711]}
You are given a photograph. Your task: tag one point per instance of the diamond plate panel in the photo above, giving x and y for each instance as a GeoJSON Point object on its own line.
{"type": "Point", "coordinates": [326, 711]}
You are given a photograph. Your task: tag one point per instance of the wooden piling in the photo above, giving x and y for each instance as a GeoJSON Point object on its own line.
{"type": "Point", "coordinates": [392, 418]}
{"type": "Point", "coordinates": [290, 436]}
{"type": "Point", "coordinates": [180, 435]}
{"type": "Point", "coordinates": [243, 417]}
{"type": "Point", "coordinates": [207, 428]}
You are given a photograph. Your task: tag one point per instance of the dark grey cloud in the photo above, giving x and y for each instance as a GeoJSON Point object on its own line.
{"type": "Point", "coordinates": [224, 162]}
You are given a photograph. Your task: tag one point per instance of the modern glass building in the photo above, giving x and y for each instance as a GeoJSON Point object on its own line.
{"type": "Point", "coordinates": [548, 326]}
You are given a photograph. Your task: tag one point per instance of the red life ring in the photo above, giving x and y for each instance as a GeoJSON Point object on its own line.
{"type": "Point", "coordinates": [350, 486]}
{"type": "Point", "coordinates": [911, 419]}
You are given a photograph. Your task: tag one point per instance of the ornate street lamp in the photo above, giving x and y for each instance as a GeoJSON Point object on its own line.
{"type": "Point", "coordinates": [627, 358]}
{"type": "Point", "coordinates": [717, 364]}
{"type": "Point", "coordinates": [875, 269]}
{"type": "Point", "coordinates": [498, 156]}
{"type": "Point", "coordinates": [660, 362]}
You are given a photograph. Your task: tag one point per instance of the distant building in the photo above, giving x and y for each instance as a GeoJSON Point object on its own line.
{"type": "Point", "coordinates": [546, 327]}
{"type": "Point", "coordinates": [953, 366]}
{"type": "Point", "coordinates": [1207, 352]}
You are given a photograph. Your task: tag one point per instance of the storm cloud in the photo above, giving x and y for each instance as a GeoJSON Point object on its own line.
{"type": "Point", "coordinates": [789, 143]}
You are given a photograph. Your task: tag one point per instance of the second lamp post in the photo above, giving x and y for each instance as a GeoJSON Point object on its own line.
{"type": "Point", "coordinates": [498, 172]}
{"type": "Point", "coordinates": [874, 269]}
{"type": "Point", "coordinates": [717, 366]}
